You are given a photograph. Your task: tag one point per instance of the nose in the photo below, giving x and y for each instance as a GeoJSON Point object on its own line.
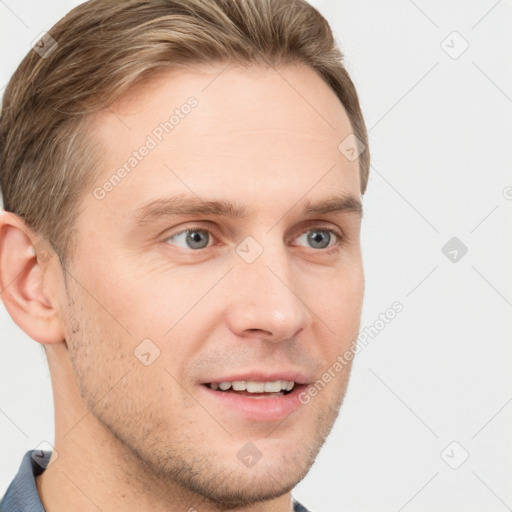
{"type": "Point", "coordinates": [267, 299]}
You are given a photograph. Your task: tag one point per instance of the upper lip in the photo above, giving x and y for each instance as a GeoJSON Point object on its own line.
{"type": "Point", "coordinates": [259, 376]}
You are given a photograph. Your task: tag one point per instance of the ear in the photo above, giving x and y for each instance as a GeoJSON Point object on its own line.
{"type": "Point", "coordinates": [29, 274]}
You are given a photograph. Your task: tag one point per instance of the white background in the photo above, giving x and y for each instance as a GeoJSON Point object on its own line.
{"type": "Point", "coordinates": [440, 137]}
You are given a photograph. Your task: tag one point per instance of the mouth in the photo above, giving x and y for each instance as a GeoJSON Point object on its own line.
{"type": "Point", "coordinates": [255, 399]}
{"type": "Point", "coordinates": [253, 388]}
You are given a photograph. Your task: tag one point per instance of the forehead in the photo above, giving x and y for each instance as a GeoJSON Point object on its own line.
{"type": "Point", "coordinates": [207, 130]}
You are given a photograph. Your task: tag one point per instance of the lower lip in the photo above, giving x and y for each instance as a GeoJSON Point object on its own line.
{"type": "Point", "coordinates": [269, 409]}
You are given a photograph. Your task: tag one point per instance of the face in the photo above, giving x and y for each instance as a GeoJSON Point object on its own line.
{"type": "Point", "coordinates": [227, 252]}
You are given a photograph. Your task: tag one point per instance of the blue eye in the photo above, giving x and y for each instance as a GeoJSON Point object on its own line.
{"type": "Point", "coordinates": [192, 238]}
{"type": "Point", "coordinates": [199, 238]}
{"type": "Point", "coordinates": [319, 238]}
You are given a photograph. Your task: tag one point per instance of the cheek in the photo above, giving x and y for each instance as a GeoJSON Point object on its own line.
{"type": "Point", "coordinates": [338, 308]}
{"type": "Point", "coordinates": [94, 349]}
{"type": "Point", "coordinates": [152, 296]}
{"type": "Point", "coordinates": [341, 294]}
{"type": "Point", "coordinates": [99, 326]}
{"type": "Point", "coordinates": [125, 302]}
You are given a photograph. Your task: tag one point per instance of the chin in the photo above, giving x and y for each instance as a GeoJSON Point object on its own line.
{"type": "Point", "coordinates": [249, 486]}
{"type": "Point", "coordinates": [231, 486]}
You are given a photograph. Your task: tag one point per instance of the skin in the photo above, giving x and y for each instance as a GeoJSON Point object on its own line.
{"type": "Point", "coordinates": [134, 437]}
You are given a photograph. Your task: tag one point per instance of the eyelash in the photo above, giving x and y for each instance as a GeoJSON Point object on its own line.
{"type": "Point", "coordinates": [340, 238]}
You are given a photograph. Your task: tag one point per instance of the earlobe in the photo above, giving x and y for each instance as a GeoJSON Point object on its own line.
{"type": "Point", "coordinates": [27, 277]}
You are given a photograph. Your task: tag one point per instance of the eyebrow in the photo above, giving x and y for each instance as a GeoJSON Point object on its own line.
{"type": "Point", "coordinates": [193, 205]}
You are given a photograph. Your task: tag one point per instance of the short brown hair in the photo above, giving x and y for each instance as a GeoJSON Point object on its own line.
{"type": "Point", "coordinates": [103, 47]}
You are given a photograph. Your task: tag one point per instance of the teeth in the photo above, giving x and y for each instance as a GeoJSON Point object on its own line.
{"type": "Point", "coordinates": [239, 385]}
{"type": "Point", "coordinates": [273, 387]}
{"type": "Point", "coordinates": [255, 387]}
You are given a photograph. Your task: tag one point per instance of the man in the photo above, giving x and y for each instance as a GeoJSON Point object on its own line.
{"type": "Point", "coordinates": [182, 187]}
